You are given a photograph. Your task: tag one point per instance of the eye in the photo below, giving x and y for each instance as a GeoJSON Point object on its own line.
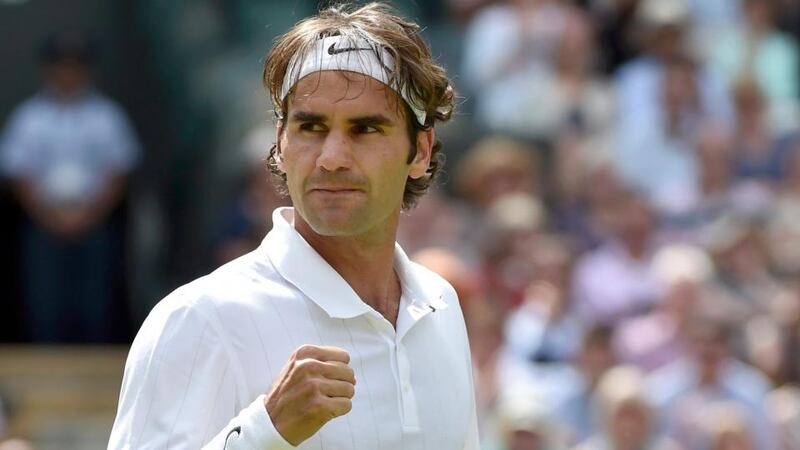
{"type": "Point", "coordinates": [312, 126]}
{"type": "Point", "coordinates": [366, 129]}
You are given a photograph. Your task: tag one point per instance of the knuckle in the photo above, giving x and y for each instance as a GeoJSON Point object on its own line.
{"type": "Point", "coordinates": [307, 366]}
{"type": "Point", "coordinates": [304, 349]}
{"type": "Point", "coordinates": [347, 407]}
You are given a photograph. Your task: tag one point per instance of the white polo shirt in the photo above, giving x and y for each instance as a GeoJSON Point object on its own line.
{"type": "Point", "coordinates": [206, 355]}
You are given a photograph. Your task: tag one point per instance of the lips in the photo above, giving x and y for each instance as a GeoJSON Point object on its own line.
{"type": "Point", "coordinates": [325, 189]}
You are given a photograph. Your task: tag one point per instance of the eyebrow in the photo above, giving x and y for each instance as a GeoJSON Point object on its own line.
{"type": "Point", "coordinates": [372, 120]}
{"type": "Point", "coordinates": [305, 116]}
{"type": "Point", "coordinates": [369, 120]}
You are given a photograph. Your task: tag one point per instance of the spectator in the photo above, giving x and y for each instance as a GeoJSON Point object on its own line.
{"type": "Point", "coordinates": [710, 374]}
{"type": "Point", "coordinates": [249, 217]}
{"type": "Point", "coordinates": [513, 224]}
{"type": "Point", "coordinates": [760, 51]}
{"type": "Point", "coordinates": [524, 423]}
{"type": "Point", "coordinates": [497, 165]}
{"type": "Point", "coordinates": [564, 94]}
{"type": "Point", "coordinates": [68, 152]}
{"type": "Point", "coordinates": [542, 330]}
{"type": "Point", "coordinates": [658, 156]}
{"type": "Point", "coordinates": [659, 338]}
{"type": "Point", "coordinates": [505, 44]}
{"type": "Point", "coordinates": [745, 285]}
{"type": "Point", "coordinates": [584, 188]}
{"type": "Point", "coordinates": [594, 359]}
{"type": "Point", "coordinates": [783, 225]}
{"type": "Point", "coordinates": [664, 29]}
{"type": "Point", "coordinates": [714, 195]}
{"type": "Point", "coordinates": [614, 281]}
{"type": "Point", "coordinates": [626, 419]}
{"type": "Point", "coordinates": [759, 152]}
{"type": "Point", "coordinates": [439, 220]}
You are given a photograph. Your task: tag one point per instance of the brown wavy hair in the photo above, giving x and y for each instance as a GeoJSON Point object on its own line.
{"type": "Point", "coordinates": [415, 72]}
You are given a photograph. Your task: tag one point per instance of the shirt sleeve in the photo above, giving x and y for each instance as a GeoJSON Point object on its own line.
{"type": "Point", "coordinates": [181, 391]}
{"type": "Point", "coordinates": [119, 140]}
{"type": "Point", "coordinates": [18, 149]}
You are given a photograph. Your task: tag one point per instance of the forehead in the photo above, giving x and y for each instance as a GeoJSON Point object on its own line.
{"type": "Point", "coordinates": [330, 90]}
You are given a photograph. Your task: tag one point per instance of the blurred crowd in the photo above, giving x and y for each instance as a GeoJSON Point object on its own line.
{"type": "Point", "coordinates": [620, 213]}
{"type": "Point", "coordinates": [624, 236]}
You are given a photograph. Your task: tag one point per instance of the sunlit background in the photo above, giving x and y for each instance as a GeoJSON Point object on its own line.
{"type": "Point", "coordinates": [620, 209]}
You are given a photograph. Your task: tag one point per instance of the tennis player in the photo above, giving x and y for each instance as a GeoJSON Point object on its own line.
{"type": "Point", "coordinates": [326, 336]}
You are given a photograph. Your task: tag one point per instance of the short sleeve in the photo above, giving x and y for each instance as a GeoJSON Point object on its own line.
{"type": "Point", "coordinates": [18, 149]}
{"type": "Point", "coordinates": [118, 139]}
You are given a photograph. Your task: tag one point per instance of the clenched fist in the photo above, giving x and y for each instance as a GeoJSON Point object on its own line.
{"type": "Point", "coordinates": [315, 385]}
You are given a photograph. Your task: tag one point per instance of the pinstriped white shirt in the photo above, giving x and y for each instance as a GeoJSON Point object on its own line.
{"type": "Point", "coordinates": [202, 361]}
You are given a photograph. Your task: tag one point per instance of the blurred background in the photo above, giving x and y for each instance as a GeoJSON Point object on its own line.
{"type": "Point", "coordinates": [619, 212]}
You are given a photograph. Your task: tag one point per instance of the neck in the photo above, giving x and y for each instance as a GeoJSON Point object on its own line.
{"type": "Point", "coordinates": [365, 261]}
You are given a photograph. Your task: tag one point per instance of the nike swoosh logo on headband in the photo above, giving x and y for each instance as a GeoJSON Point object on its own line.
{"type": "Point", "coordinates": [332, 50]}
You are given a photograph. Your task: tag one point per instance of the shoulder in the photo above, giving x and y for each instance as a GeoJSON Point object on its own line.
{"type": "Point", "coordinates": [108, 108]}
{"type": "Point", "coordinates": [207, 304]}
{"type": "Point", "coordinates": [434, 283]}
{"type": "Point", "coordinates": [28, 111]}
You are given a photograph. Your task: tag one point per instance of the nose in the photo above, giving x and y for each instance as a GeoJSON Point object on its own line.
{"type": "Point", "coordinates": [335, 153]}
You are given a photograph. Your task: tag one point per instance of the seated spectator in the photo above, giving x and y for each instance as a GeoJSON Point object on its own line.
{"type": "Point", "coordinates": [759, 50]}
{"type": "Point", "coordinates": [595, 358]}
{"type": "Point", "coordinates": [508, 42]}
{"type": "Point", "coordinates": [626, 418]}
{"type": "Point", "coordinates": [659, 338]}
{"type": "Point", "coordinates": [439, 220]}
{"type": "Point", "coordinates": [497, 165]}
{"type": "Point", "coordinates": [658, 156]}
{"type": "Point", "coordinates": [68, 152]}
{"type": "Point", "coordinates": [664, 26]}
{"type": "Point", "coordinates": [745, 286]}
{"type": "Point", "coordinates": [709, 374]}
{"type": "Point", "coordinates": [542, 330]}
{"type": "Point", "coordinates": [524, 424]}
{"type": "Point", "coordinates": [513, 224]}
{"type": "Point", "coordinates": [614, 281]}
{"type": "Point", "coordinates": [759, 152]}
{"type": "Point", "coordinates": [783, 225]}
{"type": "Point", "coordinates": [249, 217]}
{"type": "Point", "coordinates": [565, 94]}
{"type": "Point", "coordinates": [713, 197]}
{"type": "Point", "coordinates": [584, 188]}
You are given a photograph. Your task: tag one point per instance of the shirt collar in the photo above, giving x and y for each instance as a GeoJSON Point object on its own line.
{"type": "Point", "coordinates": [298, 263]}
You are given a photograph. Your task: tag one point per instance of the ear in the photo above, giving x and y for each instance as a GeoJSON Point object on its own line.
{"type": "Point", "coordinates": [278, 138]}
{"type": "Point", "coordinates": [422, 160]}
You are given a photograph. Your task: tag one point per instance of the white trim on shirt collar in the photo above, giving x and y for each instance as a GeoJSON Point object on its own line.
{"type": "Point", "coordinates": [301, 265]}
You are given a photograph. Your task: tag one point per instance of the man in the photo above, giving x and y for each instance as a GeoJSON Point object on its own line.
{"type": "Point", "coordinates": [326, 336]}
{"type": "Point", "coordinates": [67, 152]}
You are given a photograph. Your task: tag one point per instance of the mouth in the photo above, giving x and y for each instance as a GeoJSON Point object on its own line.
{"type": "Point", "coordinates": [335, 191]}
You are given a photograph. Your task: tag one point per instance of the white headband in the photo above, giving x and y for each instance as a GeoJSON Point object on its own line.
{"type": "Point", "coordinates": [360, 56]}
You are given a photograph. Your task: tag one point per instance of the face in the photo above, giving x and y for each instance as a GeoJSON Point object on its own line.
{"type": "Point", "coordinates": [630, 426]}
{"type": "Point", "coordinates": [67, 77]}
{"type": "Point", "coordinates": [344, 147]}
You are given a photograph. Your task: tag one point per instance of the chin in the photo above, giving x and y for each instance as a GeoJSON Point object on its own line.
{"type": "Point", "coordinates": [332, 225]}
